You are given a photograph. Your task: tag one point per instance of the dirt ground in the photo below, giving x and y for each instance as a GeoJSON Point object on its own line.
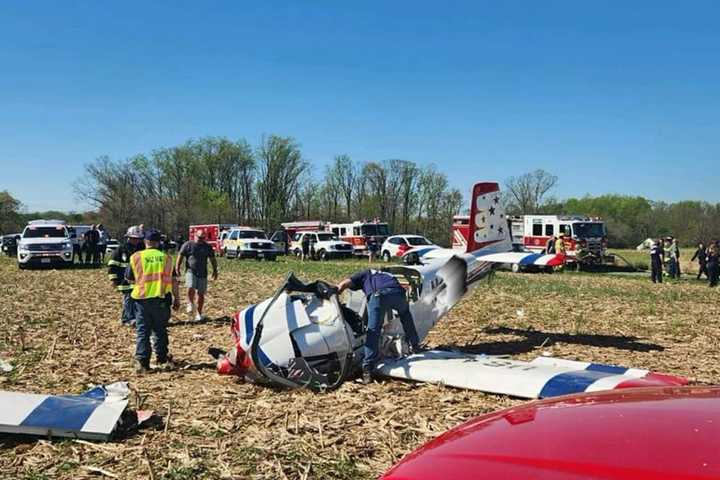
{"type": "Point", "coordinates": [61, 331]}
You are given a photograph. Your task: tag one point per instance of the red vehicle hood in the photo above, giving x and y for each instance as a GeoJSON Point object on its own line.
{"type": "Point", "coordinates": [644, 433]}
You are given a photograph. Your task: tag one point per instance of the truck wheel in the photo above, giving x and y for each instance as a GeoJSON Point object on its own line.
{"type": "Point", "coordinates": [297, 252]}
{"type": "Point", "coordinates": [322, 255]}
{"type": "Point", "coordinates": [21, 266]}
{"type": "Point", "coordinates": [224, 252]}
{"type": "Point", "coordinates": [386, 256]}
{"type": "Point", "coordinates": [516, 268]}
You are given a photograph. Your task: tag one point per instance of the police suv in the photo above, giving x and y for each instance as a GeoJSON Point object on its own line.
{"type": "Point", "coordinates": [45, 242]}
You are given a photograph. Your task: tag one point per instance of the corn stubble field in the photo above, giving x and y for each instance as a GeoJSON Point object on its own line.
{"type": "Point", "coordinates": [61, 331]}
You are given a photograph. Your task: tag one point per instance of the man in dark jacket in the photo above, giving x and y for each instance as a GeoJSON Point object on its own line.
{"type": "Point", "coordinates": [656, 261]}
{"type": "Point", "coordinates": [117, 267]}
{"type": "Point", "coordinates": [92, 238]}
{"type": "Point", "coordinates": [701, 256]}
{"type": "Point", "coordinates": [713, 263]}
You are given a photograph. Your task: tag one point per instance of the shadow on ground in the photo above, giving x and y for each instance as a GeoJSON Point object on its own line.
{"type": "Point", "coordinates": [536, 338]}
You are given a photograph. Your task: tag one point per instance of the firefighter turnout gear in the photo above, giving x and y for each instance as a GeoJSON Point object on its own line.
{"type": "Point", "coordinates": [119, 263]}
{"type": "Point", "coordinates": [153, 273]}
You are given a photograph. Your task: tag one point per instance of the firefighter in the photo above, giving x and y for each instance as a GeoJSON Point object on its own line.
{"type": "Point", "coordinates": [116, 271]}
{"type": "Point", "coordinates": [701, 257]}
{"type": "Point", "coordinates": [582, 254]}
{"type": "Point", "coordinates": [713, 267]}
{"type": "Point", "coordinates": [155, 288]}
{"type": "Point", "coordinates": [560, 244]}
{"type": "Point", "coordinates": [656, 261]}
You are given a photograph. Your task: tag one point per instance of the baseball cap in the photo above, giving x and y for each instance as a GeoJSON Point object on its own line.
{"type": "Point", "coordinates": [153, 235]}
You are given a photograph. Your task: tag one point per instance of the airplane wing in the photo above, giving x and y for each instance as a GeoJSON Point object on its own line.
{"type": "Point", "coordinates": [92, 415]}
{"type": "Point", "coordinates": [524, 258]}
{"type": "Point", "coordinates": [540, 378]}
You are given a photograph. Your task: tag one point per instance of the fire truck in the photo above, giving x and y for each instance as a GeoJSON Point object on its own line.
{"type": "Point", "coordinates": [213, 234]}
{"type": "Point", "coordinates": [578, 230]}
{"type": "Point", "coordinates": [359, 233]}
{"type": "Point", "coordinates": [532, 232]}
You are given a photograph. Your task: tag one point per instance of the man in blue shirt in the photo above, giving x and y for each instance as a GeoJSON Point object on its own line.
{"type": "Point", "coordinates": [383, 293]}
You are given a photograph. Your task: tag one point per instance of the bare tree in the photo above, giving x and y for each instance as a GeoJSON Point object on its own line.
{"type": "Point", "coordinates": [526, 192]}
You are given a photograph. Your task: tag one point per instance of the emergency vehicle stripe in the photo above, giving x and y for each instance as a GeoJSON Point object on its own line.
{"type": "Point", "coordinates": [249, 324]}
{"type": "Point", "coordinates": [571, 382]}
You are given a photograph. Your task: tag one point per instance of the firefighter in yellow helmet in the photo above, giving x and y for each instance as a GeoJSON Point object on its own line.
{"type": "Point", "coordinates": [560, 244]}
{"type": "Point", "coordinates": [155, 288]}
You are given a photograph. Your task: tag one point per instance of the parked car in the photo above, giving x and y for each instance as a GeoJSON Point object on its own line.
{"type": "Point", "coordinates": [9, 243]}
{"type": "Point", "coordinates": [659, 433]}
{"type": "Point", "coordinates": [246, 242]}
{"type": "Point", "coordinates": [45, 242]}
{"type": "Point", "coordinates": [410, 248]}
{"type": "Point", "coordinates": [325, 245]}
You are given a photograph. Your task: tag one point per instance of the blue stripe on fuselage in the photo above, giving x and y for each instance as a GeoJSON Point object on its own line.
{"type": "Point", "coordinates": [249, 324]}
{"type": "Point", "coordinates": [572, 382]}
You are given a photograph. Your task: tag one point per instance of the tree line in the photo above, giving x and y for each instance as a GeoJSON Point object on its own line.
{"type": "Point", "coordinates": [217, 180]}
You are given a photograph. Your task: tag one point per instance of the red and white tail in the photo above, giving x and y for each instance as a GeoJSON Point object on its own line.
{"type": "Point", "coordinates": [488, 223]}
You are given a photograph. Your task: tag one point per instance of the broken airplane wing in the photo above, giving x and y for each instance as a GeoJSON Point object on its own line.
{"type": "Point", "coordinates": [543, 377]}
{"type": "Point", "coordinates": [92, 415]}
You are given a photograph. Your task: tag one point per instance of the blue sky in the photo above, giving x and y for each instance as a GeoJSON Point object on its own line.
{"type": "Point", "coordinates": [612, 97]}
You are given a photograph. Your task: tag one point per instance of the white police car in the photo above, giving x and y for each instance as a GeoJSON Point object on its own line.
{"type": "Point", "coordinates": [45, 242]}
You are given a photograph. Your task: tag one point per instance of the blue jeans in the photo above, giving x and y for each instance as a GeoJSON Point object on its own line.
{"type": "Point", "coordinates": [379, 303]}
{"type": "Point", "coordinates": [128, 311]}
{"type": "Point", "coordinates": [151, 318]}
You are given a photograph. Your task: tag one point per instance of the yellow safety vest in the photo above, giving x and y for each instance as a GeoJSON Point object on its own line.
{"type": "Point", "coordinates": [153, 271]}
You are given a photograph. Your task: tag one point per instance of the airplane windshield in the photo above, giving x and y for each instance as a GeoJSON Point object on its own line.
{"type": "Point", "coordinates": [589, 230]}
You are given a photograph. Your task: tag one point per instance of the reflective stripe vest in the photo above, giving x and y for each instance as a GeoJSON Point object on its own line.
{"type": "Point", "coordinates": [153, 271]}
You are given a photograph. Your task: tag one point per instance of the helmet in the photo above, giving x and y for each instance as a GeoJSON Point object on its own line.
{"type": "Point", "coordinates": [135, 232]}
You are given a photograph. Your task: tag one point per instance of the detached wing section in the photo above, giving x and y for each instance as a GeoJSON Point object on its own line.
{"type": "Point", "coordinates": [92, 415]}
{"type": "Point", "coordinates": [524, 258]}
{"type": "Point", "coordinates": [541, 378]}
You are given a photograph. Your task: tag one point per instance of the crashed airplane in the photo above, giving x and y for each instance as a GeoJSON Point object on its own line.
{"type": "Point", "coordinates": [305, 336]}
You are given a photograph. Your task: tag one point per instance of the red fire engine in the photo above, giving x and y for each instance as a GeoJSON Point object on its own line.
{"type": "Point", "coordinates": [213, 232]}
{"type": "Point", "coordinates": [576, 229]}
{"type": "Point", "coordinates": [532, 232]}
{"type": "Point", "coordinates": [359, 233]}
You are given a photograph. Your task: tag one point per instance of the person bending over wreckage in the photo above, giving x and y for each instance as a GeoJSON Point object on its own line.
{"type": "Point", "coordinates": [383, 293]}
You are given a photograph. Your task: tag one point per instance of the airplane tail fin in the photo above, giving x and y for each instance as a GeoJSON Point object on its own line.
{"type": "Point", "coordinates": [488, 222]}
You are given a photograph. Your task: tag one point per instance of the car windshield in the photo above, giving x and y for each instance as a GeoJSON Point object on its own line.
{"type": "Point", "coordinates": [415, 241]}
{"type": "Point", "coordinates": [251, 234]}
{"type": "Point", "coordinates": [588, 230]}
{"type": "Point", "coordinates": [324, 237]}
{"type": "Point", "coordinates": [375, 229]}
{"type": "Point", "coordinates": [45, 232]}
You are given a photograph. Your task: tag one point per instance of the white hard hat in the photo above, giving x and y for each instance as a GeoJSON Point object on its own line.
{"type": "Point", "coordinates": [135, 232]}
